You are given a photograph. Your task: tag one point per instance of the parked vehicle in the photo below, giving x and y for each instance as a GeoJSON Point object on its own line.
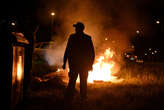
{"type": "Point", "coordinates": [40, 64]}
{"type": "Point", "coordinates": [131, 57]}
{"type": "Point", "coordinates": [41, 48]}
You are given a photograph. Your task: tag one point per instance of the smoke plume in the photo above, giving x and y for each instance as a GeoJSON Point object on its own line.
{"type": "Point", "coordinates": [111, 24]}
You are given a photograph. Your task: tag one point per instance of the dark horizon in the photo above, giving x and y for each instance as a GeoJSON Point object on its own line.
{"type": "Point", "coordinates": [145, 14]}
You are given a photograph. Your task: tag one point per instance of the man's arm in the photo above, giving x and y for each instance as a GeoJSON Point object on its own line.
{"type": "Point", "coordinates": [66, 54]}
{"type": "Point", "coordinates": [92, 52]}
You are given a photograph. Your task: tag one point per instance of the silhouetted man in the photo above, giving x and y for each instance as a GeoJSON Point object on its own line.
{"type": "Point", "coordinates": [80, 55]}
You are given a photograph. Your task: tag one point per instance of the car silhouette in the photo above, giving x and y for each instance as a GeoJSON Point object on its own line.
{"type": "Point", "coordinates": [41, 49]}
{"type": "Point", "coordinates": [40, 64]}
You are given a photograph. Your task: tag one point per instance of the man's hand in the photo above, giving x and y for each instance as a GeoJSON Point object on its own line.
{"type": "Point", "coordinates": [90, 68]}
{"type": "Point", "coordinates": [63, 66]}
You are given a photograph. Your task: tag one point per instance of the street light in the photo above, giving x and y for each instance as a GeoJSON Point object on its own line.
{"type": "Point", "coordinates": [158, 22]}
{"type": "Point", "coordinates": [52, 14]}
{"type": "Point", "coordinates": [137, 31]}
{"type": "Point", "coordinates": [13, 24]}
{"type": "Point", "coordinates": [52, 22]}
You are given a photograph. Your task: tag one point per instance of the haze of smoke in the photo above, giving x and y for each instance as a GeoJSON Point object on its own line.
{"type": "Point", "coordinates": [102, 20]}
{"type": "Point", "coordinates": [55, 56]}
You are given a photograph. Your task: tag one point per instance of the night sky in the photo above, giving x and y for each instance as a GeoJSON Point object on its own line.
{"type": "Point", "coordinates": [113, 16]}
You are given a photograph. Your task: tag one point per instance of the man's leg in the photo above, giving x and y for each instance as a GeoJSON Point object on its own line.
{"type": "Point", "coordinates": [83, 86]}
{"type": "Point", "coordinates": [71, 87]}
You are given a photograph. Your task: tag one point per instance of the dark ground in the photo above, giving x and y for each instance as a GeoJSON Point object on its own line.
{"type": "Point", "coordinates": [134, 93]}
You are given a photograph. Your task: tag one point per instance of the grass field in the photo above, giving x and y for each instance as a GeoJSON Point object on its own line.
{"type": "Point", "coordinates": [142, 89]}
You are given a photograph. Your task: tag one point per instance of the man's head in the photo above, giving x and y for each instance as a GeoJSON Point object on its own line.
{"type": "Point", "coordinates": [79, 27]}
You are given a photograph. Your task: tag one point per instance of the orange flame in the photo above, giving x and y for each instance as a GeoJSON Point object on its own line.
{"type": "Point", "coordinates": [102, 69]}
{"type": "Point", "coordinates": [19, 68]}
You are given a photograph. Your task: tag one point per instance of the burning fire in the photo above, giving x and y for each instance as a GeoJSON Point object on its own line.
{"type": "Point", "coordinates": [19, 68]}
{"type": "Point", "coordinates": [103, 69]}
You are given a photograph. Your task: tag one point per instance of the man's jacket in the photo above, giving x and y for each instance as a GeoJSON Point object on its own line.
{"type": "Point", "coordinates": [79, 52]}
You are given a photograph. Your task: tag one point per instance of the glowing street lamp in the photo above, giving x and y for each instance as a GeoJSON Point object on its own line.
{"type": "Point", "coordinates": [52, 14]}
{"type": "Point", "coordinates": [13, 24]}
{"type": "Point", "coordinates": [52, 22]}
{"type": "Point", "coordinates": [157, 22]}
{"type": "Point", "coordinates": [137, 31]}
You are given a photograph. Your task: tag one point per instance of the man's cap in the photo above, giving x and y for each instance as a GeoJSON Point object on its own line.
{"type": "Point", "coordinates": [79, 25]}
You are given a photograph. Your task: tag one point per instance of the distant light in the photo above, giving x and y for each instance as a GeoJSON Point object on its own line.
{"type": "Point", "coordinates": [149, 48]}
{"type": "Point", "coordinates": [152, 53]}
{"type": "Point", "coordinates": [155, 51]}
{"type": "Point", "coordinates": [52, 14]}
{"type": "Point", "coordinates": [127, 56]}
{"type": "Point", "coordinates": [145, 53]}
{"type": "Point", "coordinates": [106, 38]}
{"type": "Point", "coordinates": [58, 70]}
{"type": "Point", "coordinates": [137, 31]}
{"type": "Point", "coordinates": [133, 46]}
{"type": "Point", "coordinates": [13, 24]}
{"type": "Point", "coordinates": [158, 22]}
{"type": "Point", "coordinates": [139, 61]}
